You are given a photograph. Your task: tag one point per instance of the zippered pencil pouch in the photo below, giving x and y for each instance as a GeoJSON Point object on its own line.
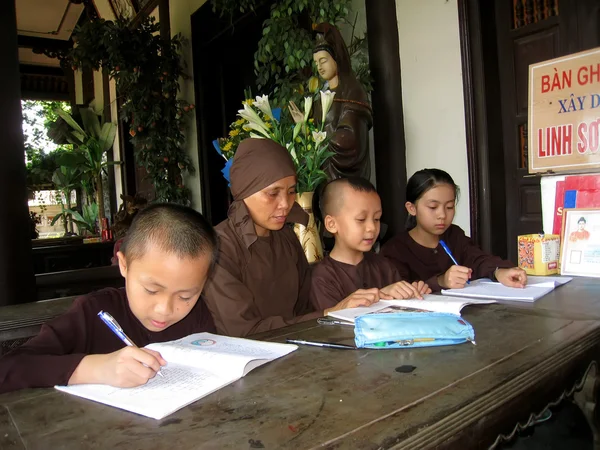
{"type": "Point", "coordinates": [411, 329]}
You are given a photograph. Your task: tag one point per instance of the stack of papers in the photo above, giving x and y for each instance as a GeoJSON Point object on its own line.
{"type": "Point", "coordinates": [436, 303]}
{"type": "Point", "coordinates": [485, 288]}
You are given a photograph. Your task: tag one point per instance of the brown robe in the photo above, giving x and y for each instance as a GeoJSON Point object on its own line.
{"type": "Point", "coordinates": [332, 281]}
{"type": "Point", "coordinates": [415, 262]}
{"type": "Point", "coordinates": [258, 283]}
{"type": "Point", "coordinates": [51, 357]}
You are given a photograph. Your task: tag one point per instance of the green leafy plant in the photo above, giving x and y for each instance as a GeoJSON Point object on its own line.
{"type": "Point", "coordinates": [92, 142]}
{"type": "Point", "coordinates": [87, 221]}
{"type": "Point", "coordinates": [66, 179]}
{"type": "Point", "coordinates": [147, 69]}
{"type": "Point", "coordinates": [42, 152]}
{"type": "Point", "coordinates": [284, 59]}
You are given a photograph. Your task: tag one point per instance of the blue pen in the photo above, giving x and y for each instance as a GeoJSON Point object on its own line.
{"type": "Point", "coordinates": [114, 326]}
{"type": "Point", "coordinates": [447, 250]}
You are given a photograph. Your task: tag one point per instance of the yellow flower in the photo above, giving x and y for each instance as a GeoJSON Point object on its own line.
{"type": "Point", "coordinates": [240, 122]}
{"type": "Point", "coordinates": [311, 120]}
{"type": "Point", "coordinates": [246, 128]}
{"type": "Point", "coordinates": [248, 101]}
{"type": "Point", "coordinates": [234, 133]}
{"type": "Point", "coordinates": [267, 118]}
{"type": "Point", "coordinates": [227, 146]}
{"type": "Point", "coordinates": [269, 125]}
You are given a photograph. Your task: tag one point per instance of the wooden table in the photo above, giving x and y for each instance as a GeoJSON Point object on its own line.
{"type": "Point", "coordinates": [462, 396]}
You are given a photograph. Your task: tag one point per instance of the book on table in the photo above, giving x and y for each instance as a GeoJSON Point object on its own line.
{"type": "Point", "coordinates": [536, 288]}
{"type": "Point", "coordinates": [198, 365]}
{"type": "Point", "coordinates": [430, 302]}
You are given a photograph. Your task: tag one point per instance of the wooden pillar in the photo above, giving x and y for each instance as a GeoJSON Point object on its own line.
{"type": "Point", "coordinates": [388, 117]}
{"type": "Point", "coordinates": [17, 281]}
{"type": "Point", "coordinates": [164, 19]}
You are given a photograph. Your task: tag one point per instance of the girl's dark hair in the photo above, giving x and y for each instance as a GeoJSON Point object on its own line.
{"type": "Point", "coordinates": [421, 182]}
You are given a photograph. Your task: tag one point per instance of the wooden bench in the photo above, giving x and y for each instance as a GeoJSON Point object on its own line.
{"type": "Point", "coordinates": [77, 282]}
{"type": "Point", "coordinates": [19, 323]}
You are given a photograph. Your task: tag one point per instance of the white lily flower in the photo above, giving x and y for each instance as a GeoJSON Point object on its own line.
{"type": "Point", "coordinates": [292, 151]}
{"type": "Point", "coordinates": [250, 115]}
{"type": "Point", "coordinates": [262, 103]}
{"type": "Point", "coordinates": [326, 102]}
{"type": "Point", "coordinates": [308, 101]}
{"type": "Point", "coordinates": [319, 136]}
{"type": "Point", "coordinates": [297, 129]}
{"type": "Point", "coordinates": [254, 120]}
{"type": "Point", "coordinates": [260, 129]}
{"type": "Point", "coordinates": [256, 136]}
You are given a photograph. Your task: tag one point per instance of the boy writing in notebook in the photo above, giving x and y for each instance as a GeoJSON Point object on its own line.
{"type": "Point", "coordinates": [351, 210]}
{"type": "Point", "coordinates": [165, 259]}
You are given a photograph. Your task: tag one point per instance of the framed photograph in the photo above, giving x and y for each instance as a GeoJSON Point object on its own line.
{"type": "Point", "coordinates": [580, 251]}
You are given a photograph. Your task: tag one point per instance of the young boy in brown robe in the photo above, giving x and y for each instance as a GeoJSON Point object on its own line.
{"type": "Point", "coordinates": [165, 259]}
{"type": "Point", "coordinates": [351, 209]}
{"type": "Point", "coordinates": [431, 196]}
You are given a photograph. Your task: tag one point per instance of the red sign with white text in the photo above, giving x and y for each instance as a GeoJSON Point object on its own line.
{"type": "Point", "coordinates": [564, 113]}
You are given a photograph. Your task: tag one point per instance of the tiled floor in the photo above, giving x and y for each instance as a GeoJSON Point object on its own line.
{"type": "Point", "coordinates": [566, 429]}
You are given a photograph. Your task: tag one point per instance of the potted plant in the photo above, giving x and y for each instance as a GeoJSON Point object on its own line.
{"type": "Point", "coordinates": [92, 142]}
{"type": "Point", "coordinates": [66, 179]}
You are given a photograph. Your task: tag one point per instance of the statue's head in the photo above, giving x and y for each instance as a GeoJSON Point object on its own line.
{"type": "Point", "coordinates": [330, 54]}
{"type": "Point", "coordinates": [326, 65]}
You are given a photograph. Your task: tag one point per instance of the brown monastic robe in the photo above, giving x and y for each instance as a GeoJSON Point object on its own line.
{"type": "Point", "coordinates": [258, 283]}
{"type": "Point", "coordinates": [332, 281]}
{"type": "Point", "coordinates": [416, 262]}
{"type": "Point", "coordinates": [51, 357]}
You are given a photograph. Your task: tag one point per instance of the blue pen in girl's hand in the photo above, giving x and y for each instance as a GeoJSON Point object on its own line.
{"type": "Point", "coordinates": [114, 326]}
{"type": "Point", "coordinates": [447, 250]}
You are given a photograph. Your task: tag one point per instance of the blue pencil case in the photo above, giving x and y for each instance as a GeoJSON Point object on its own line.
{"type": "Point", "coordinates": [411, 329]}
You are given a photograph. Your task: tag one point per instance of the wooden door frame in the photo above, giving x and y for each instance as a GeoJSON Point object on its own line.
{"type": "Point", "coordinates": [476, 122]}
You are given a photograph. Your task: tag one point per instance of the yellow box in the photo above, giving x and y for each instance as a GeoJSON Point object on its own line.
{"type": "Point", "coordinates": [92, 240]}
{"type": "Point", "coordinates": [539, 254]}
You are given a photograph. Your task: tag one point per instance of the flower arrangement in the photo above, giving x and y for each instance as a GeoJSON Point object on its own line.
{"type": "Point", "coordinates": [306, 142]}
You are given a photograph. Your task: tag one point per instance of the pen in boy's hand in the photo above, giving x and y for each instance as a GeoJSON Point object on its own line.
{"type": "Point", "coordinates": [114, 326]}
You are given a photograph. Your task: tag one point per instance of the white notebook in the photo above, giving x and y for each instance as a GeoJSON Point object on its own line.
{"type": "Point", "coordinates": [485, 288]}
{"type": "Point", "coordinates": [436, 303]}
{"type": "Point", "coordinates": [198, 365]}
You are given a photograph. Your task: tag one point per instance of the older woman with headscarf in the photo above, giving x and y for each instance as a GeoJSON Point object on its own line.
{"type": "Point", "coordinates": [261, 280]}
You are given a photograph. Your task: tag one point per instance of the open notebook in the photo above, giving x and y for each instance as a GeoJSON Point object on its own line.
{"type": "Point", "coordinates": [198, 365]}
{"type": "Point", "coordinates": [437, 303]}
{"type": "Point", "coordinates": [485, 288]}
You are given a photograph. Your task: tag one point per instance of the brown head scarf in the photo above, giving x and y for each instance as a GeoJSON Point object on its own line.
{"type": "Point", "coordinates": [257, 164]}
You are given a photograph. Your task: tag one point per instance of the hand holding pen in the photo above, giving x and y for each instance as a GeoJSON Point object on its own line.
{"type": "Point", "coordinates": [133, 366]}
{"type": "Point", "coordinates": [457, 276]}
